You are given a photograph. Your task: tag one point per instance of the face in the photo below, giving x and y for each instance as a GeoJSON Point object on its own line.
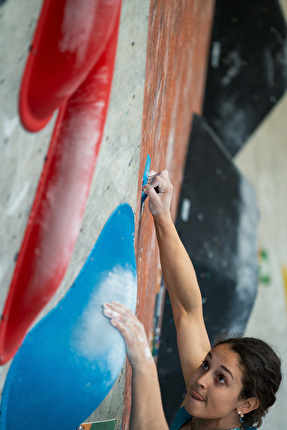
{"type": "Point", "coordinates": [215, 387]}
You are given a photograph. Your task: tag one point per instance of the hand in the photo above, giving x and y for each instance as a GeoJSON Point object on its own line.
{"type": "Point", "coordinates": [133, 332]}
{"type": "Point", "coordinates": [159, 189]}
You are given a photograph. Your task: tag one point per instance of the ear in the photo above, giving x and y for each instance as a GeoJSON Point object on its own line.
{"type": "Point", "coordinates": [248, 405]}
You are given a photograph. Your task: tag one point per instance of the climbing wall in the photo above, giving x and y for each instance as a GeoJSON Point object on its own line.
{"type": "Point", "coordinates": [174, 90]}
{"type": "Point", "coordinates": [23, 153]}
{"type": "Point", "coordinates": [150, 112]}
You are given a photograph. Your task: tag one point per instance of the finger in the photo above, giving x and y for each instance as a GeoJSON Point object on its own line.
{"type": "Point", "coordinates": [164, 174]}
{"type": "Point", "coordinates": [131, 329]}
{"type": "Point", "coordinates": [151, 177]}
{"type": "Point", "coordinates": [161, 182]}
{"type": "Point", "coordinates": [116, 305]}
{"type": "Point", "coordinates": [133, 333]}
{"type": "Point", "coordinates": [117, 319]}
{"type": "Point", "coordinates": [110, 311]}
{"type": "Point", "coordinates": [127, 317]}
{"type": "Point", "coordinates": [153, 180]}
{"type": "Point", "coordinates": [126, 334]}
{"type": "Point", "coordinates": [119, 312]}
{"type": "Point", "coordinates": [150, 191]}
{"type": "Point", "coordinates": [121, 308]}
{"type": "Point", "coordinates": [112, 315]}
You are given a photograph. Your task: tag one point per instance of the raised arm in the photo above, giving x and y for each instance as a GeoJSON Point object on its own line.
{"type": "Point", "coordinates": [147, 411]}
{"type": "Point", "coordinates": [179, 276]}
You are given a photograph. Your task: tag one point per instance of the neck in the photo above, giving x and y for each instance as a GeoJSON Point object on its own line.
{"type": "Point", "coordinates": [201, 424]}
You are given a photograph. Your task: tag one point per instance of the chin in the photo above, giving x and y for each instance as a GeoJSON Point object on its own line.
{"type": "Point", "coordinates": [189, 407]}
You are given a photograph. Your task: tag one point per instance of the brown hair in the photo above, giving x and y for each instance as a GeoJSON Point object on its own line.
{"type": "Point", "coordinates": [261, 374]}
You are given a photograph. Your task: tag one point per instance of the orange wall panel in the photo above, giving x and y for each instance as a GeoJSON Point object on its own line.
{"type": "Point", "coordinates": [177, 50]}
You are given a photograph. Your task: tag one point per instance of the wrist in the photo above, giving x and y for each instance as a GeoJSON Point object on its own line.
{"type": "Point", "coordinates": [145, 366]}
{"type": "Point", "coordinates": [163, 219]}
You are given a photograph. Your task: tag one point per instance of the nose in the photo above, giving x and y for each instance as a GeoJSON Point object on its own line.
{"type": "Point", "coordinates": [203, 379]}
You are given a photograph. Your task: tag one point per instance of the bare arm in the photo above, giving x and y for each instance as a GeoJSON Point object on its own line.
{"type": "Point", "coordinates": [147, 410]}
{"type": "Point", "coordinates": [179, 277]}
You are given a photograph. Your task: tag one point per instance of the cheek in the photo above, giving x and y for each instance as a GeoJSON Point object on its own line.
{"type": "Point", "coordinates": [226, 398]}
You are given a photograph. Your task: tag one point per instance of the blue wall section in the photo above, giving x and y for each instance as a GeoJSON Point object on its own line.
{"type": "Point", "coordinates": [70, 359]}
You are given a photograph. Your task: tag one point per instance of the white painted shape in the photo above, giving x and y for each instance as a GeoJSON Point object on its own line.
{"type": "Point", "coordinates": [215, 54]}
{"type": "Point", "coordinates": [185, 209]}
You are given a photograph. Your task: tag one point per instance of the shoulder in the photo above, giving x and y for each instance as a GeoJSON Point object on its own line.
{"type": "Point", "coordinates": [181, 418]}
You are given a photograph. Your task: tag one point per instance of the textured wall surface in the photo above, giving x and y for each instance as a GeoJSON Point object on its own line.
{"type": "Point", "coordinates": [177, 49]}
{"type": "Point", "coordinates": [158, 83]}
{"type": "Point", "coordinates": [22, 153]}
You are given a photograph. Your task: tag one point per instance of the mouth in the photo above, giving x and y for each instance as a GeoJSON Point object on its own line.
{"type": "Point", "coordinates": [196, 396]}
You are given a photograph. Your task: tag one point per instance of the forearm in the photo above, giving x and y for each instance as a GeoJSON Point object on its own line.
{"type": "Point", "coordinates": [147, 410]}
{"type": "Point", "coordinates": [178, 271]}
{"type": "Point", "coordinates": [179, 276]}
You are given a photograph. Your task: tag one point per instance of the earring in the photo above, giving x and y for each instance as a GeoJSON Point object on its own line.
{"type": "Point", "coordinates": [241, 416]}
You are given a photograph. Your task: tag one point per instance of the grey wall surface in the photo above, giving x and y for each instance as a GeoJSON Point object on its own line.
{"type": "Point", "coordinates": [22, 153]}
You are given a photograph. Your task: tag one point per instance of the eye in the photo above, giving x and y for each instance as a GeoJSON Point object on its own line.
{"type": "Point", "coordinates": [205, 365]}
{"type": "Point", "coordinates": [221, 379]}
